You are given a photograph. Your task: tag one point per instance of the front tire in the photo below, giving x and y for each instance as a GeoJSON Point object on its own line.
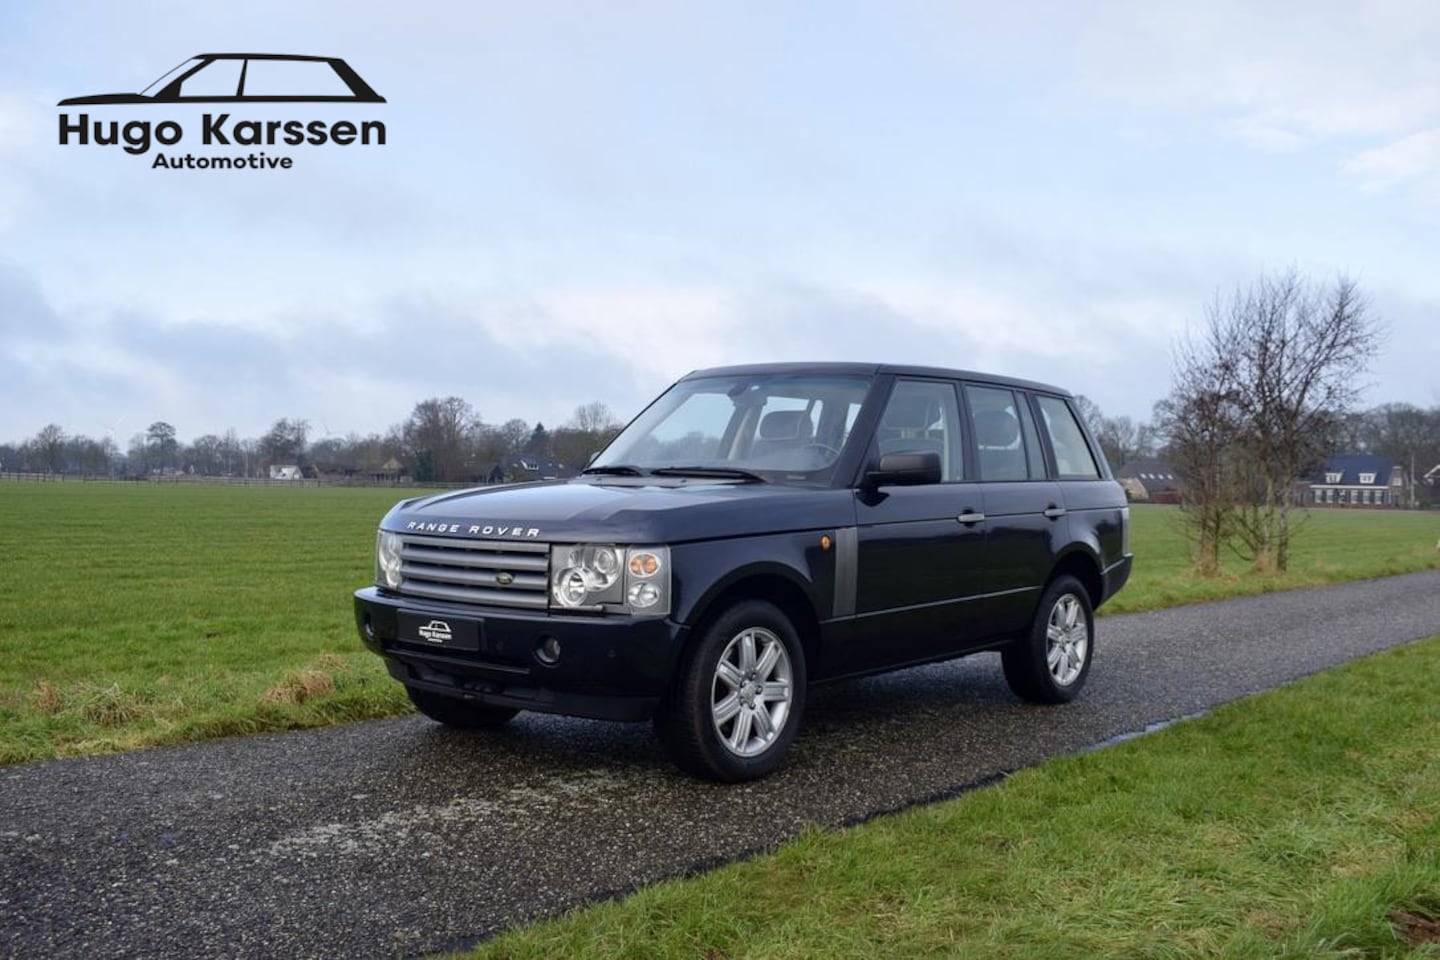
{"type": "Point", "coordinates": [736, 705]}
{"type": "Point", "coordinates": [1050, 663]}
{"type": "Point", "coordinates": [457, 713]}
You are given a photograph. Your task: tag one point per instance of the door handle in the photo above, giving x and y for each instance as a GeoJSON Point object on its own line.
{"type": "Point", "coordinates": [970, 517]}
{"type": "Point", "coordinates": [1054, 512]}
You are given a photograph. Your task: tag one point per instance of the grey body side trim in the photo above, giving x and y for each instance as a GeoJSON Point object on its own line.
{"type": "Point", "coordinates": [847, 568]}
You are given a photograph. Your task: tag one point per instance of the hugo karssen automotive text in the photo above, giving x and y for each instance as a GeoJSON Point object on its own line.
{"type": "Point", "coordinates": [138, 136]}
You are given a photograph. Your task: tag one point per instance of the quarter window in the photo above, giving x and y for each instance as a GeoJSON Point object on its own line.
{"type": "Point", "coordinates": [923, 417]}
{"type": "Point", "coordinates": [1073, 459]}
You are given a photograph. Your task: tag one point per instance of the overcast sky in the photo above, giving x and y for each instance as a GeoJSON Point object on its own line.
{"type": "Point", "coordinates": [583, 202]}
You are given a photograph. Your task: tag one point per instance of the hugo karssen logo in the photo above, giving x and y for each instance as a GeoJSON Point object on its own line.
{"type": "Point", "coordinates": [234, 80]}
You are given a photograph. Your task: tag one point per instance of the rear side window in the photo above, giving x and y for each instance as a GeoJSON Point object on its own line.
{"type": "Point", "coordinates": [995, 421]}
{"type": "Point", "coordinates": [1073, 459]}
{"type": "Point", "coordinates": [293, 78]}
{"type": "Point", "coordinates": [921, 417]}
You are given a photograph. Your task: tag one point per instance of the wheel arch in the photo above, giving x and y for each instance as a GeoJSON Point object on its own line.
{"type": "Point", "coordinates": [1085, 567]}
{"type": "Point", "coordinates": [775, 584]}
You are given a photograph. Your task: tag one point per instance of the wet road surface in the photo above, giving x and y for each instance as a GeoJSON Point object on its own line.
{"type": "Point", "coordinates": [398, 837]}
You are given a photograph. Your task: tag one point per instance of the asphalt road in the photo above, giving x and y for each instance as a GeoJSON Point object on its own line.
{"type": "Point", "coordinates": [397, 837]}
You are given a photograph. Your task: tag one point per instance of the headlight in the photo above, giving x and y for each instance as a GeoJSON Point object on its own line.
{"type": "Point", "coordinates": [632, 580]}
{"type": "Point", "coordinates": [584, 575]}
{"type": "Point", "coordinates": [387, 559]}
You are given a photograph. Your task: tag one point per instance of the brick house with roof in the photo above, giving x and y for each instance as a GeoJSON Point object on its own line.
{"type": "Point", "coordinates": [1150, 481]}
{"type": "Point", "coordinates": [1356, 480]}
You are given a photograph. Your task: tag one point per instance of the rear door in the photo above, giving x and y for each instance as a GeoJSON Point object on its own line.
{"type": "Point", "coordinates": [1024, 511]}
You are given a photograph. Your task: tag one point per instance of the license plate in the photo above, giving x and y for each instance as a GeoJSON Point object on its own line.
{"type": "Point", "coordinates": [449, 633]}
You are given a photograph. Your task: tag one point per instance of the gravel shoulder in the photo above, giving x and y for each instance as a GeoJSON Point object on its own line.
{"type": "Point", "coordinates": [397, 837]}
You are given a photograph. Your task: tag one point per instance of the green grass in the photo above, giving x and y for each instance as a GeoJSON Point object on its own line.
{"type": "Point", "coordinates": [1301, 823]}
{"type": "Point", "coordinates": [1331, 546]}
{"type": "Point", "coordinates": [142, 614]}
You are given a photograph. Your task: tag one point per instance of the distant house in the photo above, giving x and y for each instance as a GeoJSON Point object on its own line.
{"type": "Point", "coordinates": [334, 471]}
{"type": "Point", "coordinates": [388, 472]}
{"type": "Point", "coordinates": [1150, 481]}
{"type": "Point", "coordinates": [288, 471]}
{"type": "Point", "coordinates": [1356, 480]}
{"type": "Point", "coordinates": [526, 467]}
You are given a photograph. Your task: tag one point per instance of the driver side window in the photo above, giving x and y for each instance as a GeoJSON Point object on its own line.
{"type": "Point", "coordinates": [923, 416]}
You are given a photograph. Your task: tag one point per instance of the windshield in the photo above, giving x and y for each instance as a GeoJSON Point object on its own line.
{"type": "Point", "coordinates": [793, 425]}
{"type": "Point", "coordinates": [151, 90]}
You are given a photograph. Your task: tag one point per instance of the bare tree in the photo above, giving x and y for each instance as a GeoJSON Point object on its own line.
{"type": "Point", "coordinates": [161, 444]}
{"type": "Point", "coordinates": [1121, 438]}
{"type": "Point", "coordinates": [437, 435]}
{"type": "Point", "coordinates": [285, 443]}
{"type": "Point", "coordinates": [1258, 398]}
{"type": "Point", "coordinates": [585, 433]}
{"type": "Point", "coordinates": [594, 417]}
{"type": "Point", "coordinates": [513, 434]}
{"type": "Point", "coordinates": [50, 445]}
{"type": "Point", "coordinates": [1201, 422]}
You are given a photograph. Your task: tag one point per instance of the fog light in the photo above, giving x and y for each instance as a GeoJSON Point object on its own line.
{"type": "Point", "coordinates": [643, 595]}
{"type": "Point", "coordinates": [548, 651]}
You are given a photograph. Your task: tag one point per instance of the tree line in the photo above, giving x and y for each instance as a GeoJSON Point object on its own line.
{"type": "Point", "coordinates": [1261, 392]}
{"type": "Point", "coordinates": [443, 440]}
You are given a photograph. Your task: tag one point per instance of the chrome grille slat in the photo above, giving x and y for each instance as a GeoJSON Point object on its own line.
{"type": "Point", "coordinates": [498, 598]}
{"type": "Point", "coordinates": [483, 546]}
{"type": "Point", "coordinates": [467, 571]}
{"type": "Point", "coordinates": [481, 560]}
{"type": "Point", "coordinates": [441, 574]}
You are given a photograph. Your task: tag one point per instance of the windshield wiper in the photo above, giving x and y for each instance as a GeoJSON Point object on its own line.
{"type": "Point", "coordinates": [730, 473]}
{"type": "Point", "coordinates": [616, 470]}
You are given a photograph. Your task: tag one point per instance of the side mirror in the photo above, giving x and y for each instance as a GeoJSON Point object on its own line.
{"type": "Point", "coordinates": [906, 468]}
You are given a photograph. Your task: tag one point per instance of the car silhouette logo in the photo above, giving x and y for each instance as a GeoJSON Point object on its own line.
{"type": "Point", "coordinates": [250, 78]}
{"type": "Point", "coordinates": [436, 631]}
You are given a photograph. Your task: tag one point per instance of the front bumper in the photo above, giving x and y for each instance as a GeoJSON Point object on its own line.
{"type": "Point", "coordinates": [610, 668]}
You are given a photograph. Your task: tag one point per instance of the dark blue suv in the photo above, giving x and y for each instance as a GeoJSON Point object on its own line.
{"type": "Point", "coordinates": [754, 531]}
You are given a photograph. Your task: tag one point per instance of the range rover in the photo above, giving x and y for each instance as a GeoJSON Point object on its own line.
{"type": "Point", "coordinates": [757, 530]}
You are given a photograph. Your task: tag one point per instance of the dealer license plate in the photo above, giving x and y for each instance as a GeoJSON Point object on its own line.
{"type": "Point", "coordinates": [450, 633]}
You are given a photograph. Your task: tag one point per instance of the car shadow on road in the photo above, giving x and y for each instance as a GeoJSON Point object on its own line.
{"type": "Point", "coordinates": [877, 716]}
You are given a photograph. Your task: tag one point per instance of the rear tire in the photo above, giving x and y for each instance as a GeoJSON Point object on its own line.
{"type": "Point", "coordinates": [457, 713]}
{"type": "Point", "coordinates": [1050, 663]}
{"type": "Point", "coordinates": [736, 703]}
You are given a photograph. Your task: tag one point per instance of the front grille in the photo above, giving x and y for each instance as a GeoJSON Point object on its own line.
{"type": "Point", "coordinates": [471, 571]}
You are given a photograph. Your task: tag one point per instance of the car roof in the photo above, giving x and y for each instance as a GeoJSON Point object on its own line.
{"type": "Point", "coordinates": [259, 56]}
{"type": "Point", "coordinates": [873, 369]}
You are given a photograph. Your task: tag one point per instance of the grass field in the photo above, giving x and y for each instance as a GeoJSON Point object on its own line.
{"type": "Point", "coordinates": [140, 614]}
{"type": "Point", "coordinates": [1330, 546]}
{"type": "Point", "coordinates": [1301, 823]}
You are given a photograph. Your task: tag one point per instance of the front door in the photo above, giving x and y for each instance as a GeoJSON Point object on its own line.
{"type": "Point", "coordinates": [920, 547]}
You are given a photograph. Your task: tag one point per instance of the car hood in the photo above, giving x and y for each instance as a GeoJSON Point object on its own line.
{"type": "Point", "coordinates": [623, 510]}
{"type": "Point", "coordinates": [105, 98]}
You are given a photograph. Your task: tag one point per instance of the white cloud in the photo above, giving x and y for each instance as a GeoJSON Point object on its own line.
{"type": "Point", "coordinates": [1409, 159]}
{"type": "Point", "coordinates": [1311, 70]}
